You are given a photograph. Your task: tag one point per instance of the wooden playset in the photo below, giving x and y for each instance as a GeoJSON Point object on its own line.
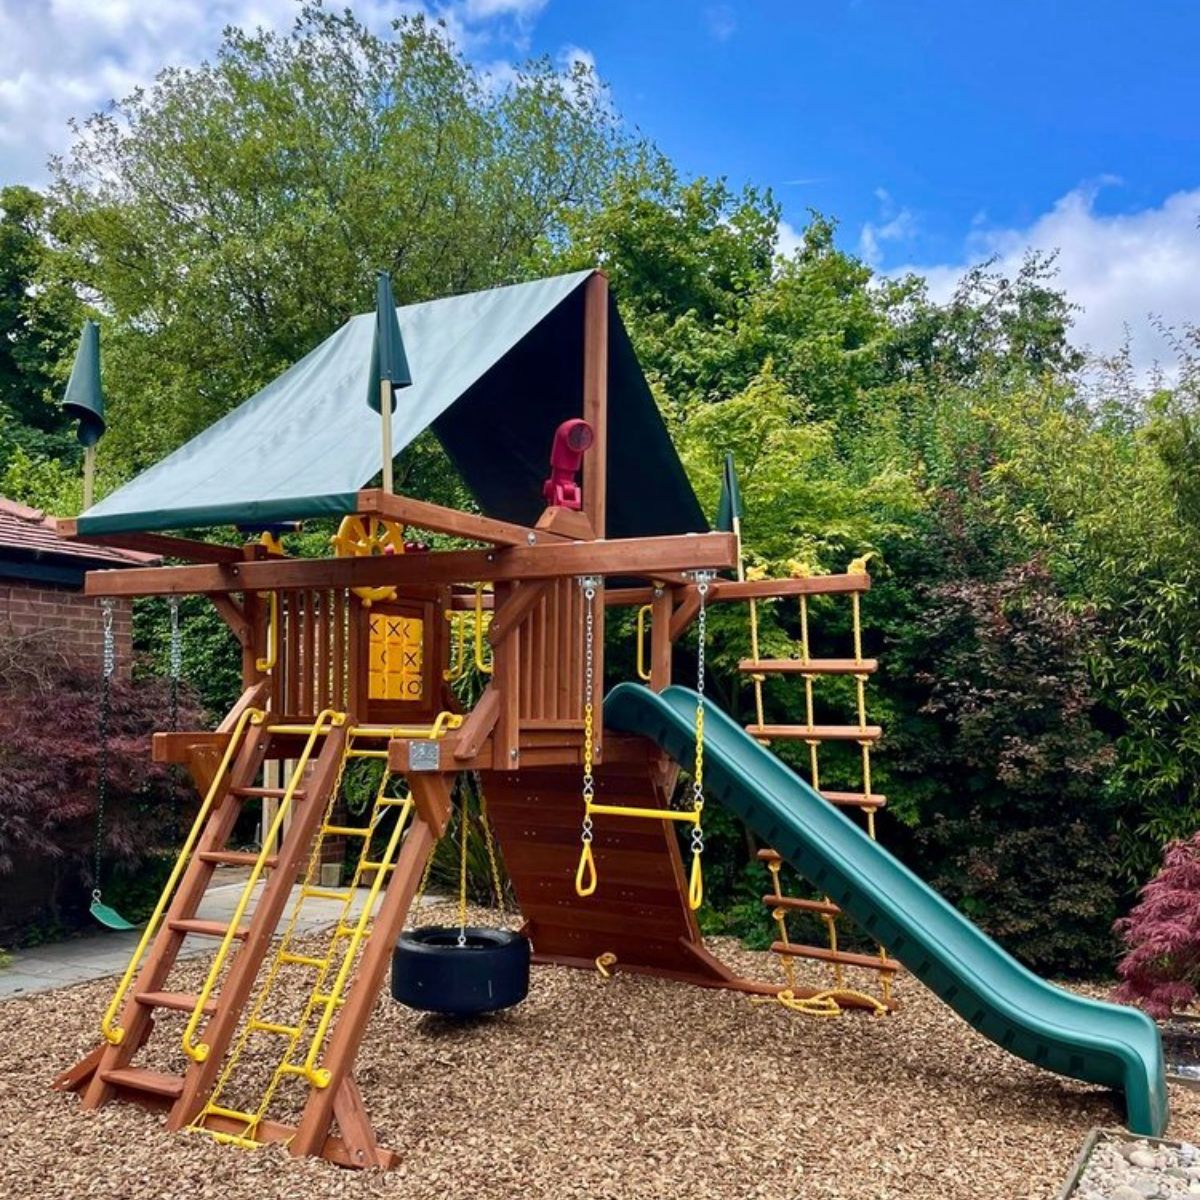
{"type": "Point", "coordinates": [354, 655]}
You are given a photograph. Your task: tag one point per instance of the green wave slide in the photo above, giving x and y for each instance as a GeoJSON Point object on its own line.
{"type": "Point", "coordinates": [1085, 1039]}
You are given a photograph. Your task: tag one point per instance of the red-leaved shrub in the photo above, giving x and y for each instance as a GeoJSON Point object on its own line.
{"type": "Point", "coordinates": [1161, 970]}
{"type": "Point", "coordinates": [50, 757]}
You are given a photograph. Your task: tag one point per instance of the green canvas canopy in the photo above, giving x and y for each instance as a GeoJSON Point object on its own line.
{"type": "Point", "coordinates": [493, 374]}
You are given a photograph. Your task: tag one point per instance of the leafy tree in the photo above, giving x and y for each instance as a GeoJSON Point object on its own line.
{"type": "Point", "coordinates": [231, 215]}
{"type": "Point", "coordinates": [37, 327]}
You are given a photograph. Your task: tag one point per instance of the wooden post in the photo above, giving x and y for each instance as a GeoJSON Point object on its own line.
{"type": "Point", "coordinates": [89, 477]}
{"type": "Point", "coordinates": [660, 638]}
{"type": "Point", "coordinates": [385, 424]}
{"type": "Point", "coordinates": [595, 399]}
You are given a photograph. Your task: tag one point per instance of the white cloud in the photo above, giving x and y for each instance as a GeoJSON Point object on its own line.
{"type": "Point", "coordinates": [788, 239]}
{"type": "Point", "coordinates": [721, 21]}
{"type": "Point", "coordinates": [895, 224]}
{"type": "Point", "coordinates": [63, 59]}
{"type": "Point", "coordinates": [1126, 271]}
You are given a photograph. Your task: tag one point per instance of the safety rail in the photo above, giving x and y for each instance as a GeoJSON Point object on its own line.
{"type": "Point", "coordinates": [114, 1033]}
{"type": "Point", "coordinates": [327, 720]}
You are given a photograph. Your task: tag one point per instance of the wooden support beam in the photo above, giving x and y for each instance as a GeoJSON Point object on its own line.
{"type": "Point", "coordinates": [569, 522]}
{"type": "Point", "coordinates": [595, 399]}
{"type": "Point", "coordinates": [628, 556]}
{"type": "Point", "coordinates": [768, 589]}
{"type": "Point", "coordinates": [478, 726]}
{"type": "Point", "coordinates": [234, 615]}
{"type": "Point", "coordinates": [506, 679]}
{"type": "Point", "coordinates": [510, 615]}
{"type": "Point", "coordinates": [685, 613]}
{"type": "Point", "coordinates": [160, 544]}
{"type": "Point", "coordinates": [660, 639]}
{"type": "Point", "coordinates": [439, 519]}
{"type": "Point", "coordinates": [431, 794]}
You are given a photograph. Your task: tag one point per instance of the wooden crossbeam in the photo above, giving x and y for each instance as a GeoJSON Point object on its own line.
{"type": "Point", "coordinates": [153, 543]}
{"type": "Point", "coordinates": [629, 556]}
{"type": "Point", "coordinates": [439, 519]}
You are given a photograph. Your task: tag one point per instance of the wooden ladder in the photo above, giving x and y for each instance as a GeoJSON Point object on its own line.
{"type": "Point", "coordinates": [108, 1072]}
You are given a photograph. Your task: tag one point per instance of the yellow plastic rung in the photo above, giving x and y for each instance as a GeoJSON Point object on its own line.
{"type": "Point", "coordinates": [345, 931]}
{"type": "Point", "coordinates": [232, 1114]}
{"type": "Point", "coordinates": [393, 801]}
{"type": "Point", "coordinates": [234, 1139]}
{"type": "Point", "coordinates": [347, 830]}
{"type": "Point", "coordinates": [366, 754]}
{"type": "Point", "coordinates": [377, 866]}
{"type": "Point", "coordinates": [304, 960]}
{"type": "Point", "coordinates": [291, 1069]}
{"type": "Point", "coordinates": [653, 814]}
{"type": "Point", "coordinates": [326, 998]}
{"type": "Point", "coordinates": [271, 1027]}
{"type": "Point", "coordinates": [316, 893]}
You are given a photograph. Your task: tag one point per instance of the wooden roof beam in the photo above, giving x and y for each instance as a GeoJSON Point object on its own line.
{"type": "Point", "coordinates": [439, 519]}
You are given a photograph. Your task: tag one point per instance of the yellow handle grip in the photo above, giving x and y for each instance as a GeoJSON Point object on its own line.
{"type": "Point", "coordinates": [585, 873]}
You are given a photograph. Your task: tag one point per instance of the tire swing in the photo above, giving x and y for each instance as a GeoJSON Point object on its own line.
{"type": "Point", "coordinates": [462, 970]}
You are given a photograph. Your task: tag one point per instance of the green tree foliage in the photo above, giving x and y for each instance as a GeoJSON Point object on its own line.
{"type": "Point", "coordinates": [232, 214]}
{"type": "Point", "coordinates": [37, 325]}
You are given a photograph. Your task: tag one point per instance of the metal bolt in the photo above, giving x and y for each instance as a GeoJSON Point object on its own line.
{"type": "Point", "coordinates": [531, 538]}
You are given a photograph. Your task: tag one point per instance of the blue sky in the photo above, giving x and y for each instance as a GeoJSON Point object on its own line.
{"type": "Point", "coordinates": [960, 112]}
{"type": "Point", "coordinates": [937, 133]}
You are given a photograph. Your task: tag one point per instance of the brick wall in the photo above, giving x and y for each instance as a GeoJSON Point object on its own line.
{"type": "Point", "coordinates": [69, 618]}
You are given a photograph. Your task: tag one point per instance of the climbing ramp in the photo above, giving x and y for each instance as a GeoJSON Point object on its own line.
{"type": "Point", "coordinates": [1072, 1035]}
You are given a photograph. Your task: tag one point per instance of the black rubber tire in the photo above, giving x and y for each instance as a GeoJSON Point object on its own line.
{"type": "Point", "coordinates": [433, 973]}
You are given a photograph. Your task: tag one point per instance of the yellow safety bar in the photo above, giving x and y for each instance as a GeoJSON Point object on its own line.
{"type": "Point", "coordinates": [481, 664]}
{"type": "Point", "coordinates": [198, 1051]}
{"type": "Point", "coordinates": [268, 663]}
{"type": "Point", "coordinates": [113, 1033]}
{"type": "Point", "coordinates": [642, 670]}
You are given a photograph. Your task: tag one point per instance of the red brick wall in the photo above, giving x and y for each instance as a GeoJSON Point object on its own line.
{"type": "Point", "coordinates": [71, 619]}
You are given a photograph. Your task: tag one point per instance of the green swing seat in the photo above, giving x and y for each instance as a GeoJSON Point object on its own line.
{"type": "Point", "coordinates": [108, 916]}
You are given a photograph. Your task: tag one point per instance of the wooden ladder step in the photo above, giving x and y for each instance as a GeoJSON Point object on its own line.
{"type": "Point", "coordinates": [235, 858]}
{"type": "Point", "coordinates": [812, 666]}
{"type": "Point", "coordinates": [825, 908]}
{"type": "Point", "coordinates": [266, 793]}
{"type": "Point", "coordinates": [157, 1083]}
{"type": "Point", "coordinates": [816, 733]}
{"type": "Point", "coordinates": [844, 957]}
{"type": "Point", "coordinates": [179, 1001]}
{"type": "Point", "coordinates": [217, 929]}
{"type": "Point", "coordinates": [855, 799]}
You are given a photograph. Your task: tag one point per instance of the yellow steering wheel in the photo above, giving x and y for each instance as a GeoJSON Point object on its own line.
{"type": "Point", "coordinates": [365, 537]}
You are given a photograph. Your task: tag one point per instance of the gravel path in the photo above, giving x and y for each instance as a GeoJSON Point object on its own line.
{"type": "Point", "coordinates": [619, 1089]}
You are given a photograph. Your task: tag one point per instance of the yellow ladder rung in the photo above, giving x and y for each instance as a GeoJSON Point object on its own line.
{"type": "Point", "coordinates": [326, 998]}
{"type": "Point", "coordinates": [291, 1069]}
{"type": "Point", "coordinates": [231, 1114]}
{"type": "Point", "coordinates": [326, 727]}
{"type": "Point", "coordinates": [233, 1139]}
{"type": "Point", "coordinates": [347, 830]}
{"type": "Point", "coordinates": [316, 893]}
{"type": "Point", "coordinates": [304, 960]}
{"type": "Point", "coordinates": [367, 754]}
{"type": "Point", "coordinates": [654, 814]}
{"type": "Point", "coordinates": [393, 801]}
{"type": "Point", "coordinates": [377, 866]}
{"type": "Point", "coordinates": [272, 1027]}
{"type": "Point", "coordinates": [344, 931]}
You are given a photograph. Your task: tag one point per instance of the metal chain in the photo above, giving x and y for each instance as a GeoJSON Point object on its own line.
{"type": "Point", "coordinates": [176, 661]}
{"type": "Point", "coordinates": [589, 584]}
{"type": "Point", "coordinates": [109, 661]}
{"type": "Point", "coordinates": [703, 580]}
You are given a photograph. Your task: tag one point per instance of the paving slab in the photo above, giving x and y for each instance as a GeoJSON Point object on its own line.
{"type": "Point", "coordinates": [78, 960]}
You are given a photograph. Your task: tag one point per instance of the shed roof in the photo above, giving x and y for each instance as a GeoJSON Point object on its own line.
{"type": "Point", "coordinates": [28, 533]}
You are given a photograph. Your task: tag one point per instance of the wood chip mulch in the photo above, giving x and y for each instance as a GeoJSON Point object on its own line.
{"type": "Point", "coordinates": [626, 1089]}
